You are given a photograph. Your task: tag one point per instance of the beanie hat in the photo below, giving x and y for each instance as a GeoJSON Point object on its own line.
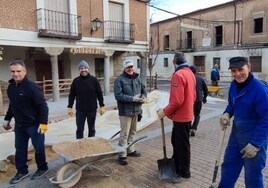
{"type": "Point", "coordinates": [127, 63]}
{"type": "Point", "coordinates": [237, 62]}
{"type": "Point", "coordinates": [193, 68]}
{"type": "Point", "coordinates": [83, 63]}
{"type": "Point", "coordinates": [179, 58]}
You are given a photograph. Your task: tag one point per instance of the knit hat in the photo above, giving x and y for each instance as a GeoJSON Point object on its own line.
{"type": "Point", "coordinates": [193, 68]}
{"type": "Point", "coordinates": [127, 63]}
{"type": "Point", "coordinates": [237, 62]}
{"type": "Point", "coordinates": [179, 58]}
{"type": "Point", "coordinates": [83, 63]}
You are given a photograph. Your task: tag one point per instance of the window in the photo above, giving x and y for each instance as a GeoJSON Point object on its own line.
{"type": "Point", "coordinates": [219, 35]}
{"type": "Point", "coordinates": [138, 63]}
{"type": "Point", "coordinates": [256, 63]}
{"type": "Point", "coordinates": [189, 40]}
{"type": "Point", "coordinates": [217, 60]}
{"type": "Point", "coordinates": [258, 25]}
{"type": "Point", "coordinates": [165, 62]}
{"type": "Point", "coordinates": [166, 42]}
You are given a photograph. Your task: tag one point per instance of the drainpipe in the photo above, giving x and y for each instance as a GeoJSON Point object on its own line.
{"type": "Point", "coordinates": [235, 22]}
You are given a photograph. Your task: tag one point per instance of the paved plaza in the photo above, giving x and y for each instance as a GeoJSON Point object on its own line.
{"type": "Point", "coordinates": [142, 172]}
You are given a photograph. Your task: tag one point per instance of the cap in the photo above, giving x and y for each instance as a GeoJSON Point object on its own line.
{"type": "Point", "coordinates": [127, 63]}
{"type": "Point", "coordinates": [83, 63]}
{"type": "Point", "coordinates": [193, 68]}
{"type": "Point", "coordinates": [179, 58]}
{"type": "Point", "coordinates": [237, 62]}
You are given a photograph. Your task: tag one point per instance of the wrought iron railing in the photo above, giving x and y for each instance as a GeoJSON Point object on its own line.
{"type": "Point", "coordinates": [58, 24]}
{"type": "Point", "coordinates": [119, 32]}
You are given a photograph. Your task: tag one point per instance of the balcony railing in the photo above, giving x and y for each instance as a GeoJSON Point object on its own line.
{"type": "Point", "coordinates": [186, 44]}
{"type": "Point", "coordinates": [119, 32]}
{"type": "Point", "coordinates": [56, 24]}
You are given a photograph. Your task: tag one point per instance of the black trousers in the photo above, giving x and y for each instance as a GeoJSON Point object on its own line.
{"type": "Point", "coordinates": [181, 148]}
{"type": "Point", "coordinates": [197, 110]}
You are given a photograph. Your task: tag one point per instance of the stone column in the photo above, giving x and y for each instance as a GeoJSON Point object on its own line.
{"type": "Point", "coordinates": [108, 54]}
{"type": "Point", "coordinates": [54, 52]}
{"type": "Point", "coordinates": [1, 103]}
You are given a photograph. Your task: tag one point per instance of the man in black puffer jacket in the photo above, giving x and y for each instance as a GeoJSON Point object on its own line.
{"type": "Point", "coordinates": [86, 90]}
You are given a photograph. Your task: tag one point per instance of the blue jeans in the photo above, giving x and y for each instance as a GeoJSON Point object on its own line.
{"type": "Point", "coordinates": [22, 136]}
{"type": "Point", "coordinates": [80, 123]}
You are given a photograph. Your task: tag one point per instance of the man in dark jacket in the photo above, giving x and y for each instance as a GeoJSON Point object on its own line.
{"type": "Point", "coordinates": [29, 109]}
{"type": "Point", "coordinates": [201, 96]}
{"type": "Point", "coordinates": [86, 90]}
{"type": "Point", "coordinates": [130, 93]}
{"type": "Point", "coordinates": [215, 75]}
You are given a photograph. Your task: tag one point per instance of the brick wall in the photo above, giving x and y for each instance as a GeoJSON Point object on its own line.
{"type": "Point", "coordinates": [138, 15]}
{"type": "Point", "coordinates": [18, 14]}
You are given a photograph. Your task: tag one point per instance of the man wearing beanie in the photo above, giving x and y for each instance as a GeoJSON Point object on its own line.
{"type": "Point", "coordinates": [248, 104]}
{"type": "Point", "coordinates": [83, 89]}
{"type": "Point", "coordinates": [180, 111]}
{"type": "Point", "coordinates": [130, 93]}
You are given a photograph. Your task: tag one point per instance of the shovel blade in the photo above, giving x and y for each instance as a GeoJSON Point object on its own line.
{"type": "Point", "coordinates": [166, 169]}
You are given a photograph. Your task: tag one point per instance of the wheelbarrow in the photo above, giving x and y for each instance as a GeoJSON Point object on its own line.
{"type": "Point", "coordinates": [70, 173]}
{"type": "Point", "coordinates": [215, 90]}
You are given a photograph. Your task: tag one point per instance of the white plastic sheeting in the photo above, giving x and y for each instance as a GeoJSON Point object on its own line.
{"type": "Point", "coordinates": [106, 125]}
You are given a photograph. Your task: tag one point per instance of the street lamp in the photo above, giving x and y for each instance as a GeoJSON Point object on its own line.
{"type": "Point", "coordinates": [96, 24]}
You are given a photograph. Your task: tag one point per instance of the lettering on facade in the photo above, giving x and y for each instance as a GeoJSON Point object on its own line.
{"type": "Point", "coordinates": [86, 50]}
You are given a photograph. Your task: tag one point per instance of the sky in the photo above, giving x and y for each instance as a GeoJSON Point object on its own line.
{"type": "Point", "coordinates": [179, 7]}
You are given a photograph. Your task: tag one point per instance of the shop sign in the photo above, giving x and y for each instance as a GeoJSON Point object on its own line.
{"type": "Point", "coordinates": [86, 50]}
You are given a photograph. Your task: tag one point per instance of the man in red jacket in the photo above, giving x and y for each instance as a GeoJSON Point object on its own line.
{"type": "Point", "coordinates": [180, 111]}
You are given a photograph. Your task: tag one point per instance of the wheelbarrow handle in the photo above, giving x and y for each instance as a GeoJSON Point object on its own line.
{"type": "Point", "coordinates": [138, 139]}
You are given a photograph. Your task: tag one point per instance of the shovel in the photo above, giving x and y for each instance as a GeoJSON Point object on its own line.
{"type": "Point", "coordinates": [217, 162]}
{"type": "Point", "coordinates": [166, 167]}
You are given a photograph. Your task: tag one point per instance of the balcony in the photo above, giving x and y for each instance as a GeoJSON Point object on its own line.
{"type": "Point", "coordinates": [54, 24]}
{"type": "Point", "coordinates": [119, 32]}
{"type": "Point", "coordinates": [186, 45]}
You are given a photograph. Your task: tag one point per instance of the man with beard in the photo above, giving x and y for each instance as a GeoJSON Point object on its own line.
{"type": "Point", "coordinates": [86, 90]}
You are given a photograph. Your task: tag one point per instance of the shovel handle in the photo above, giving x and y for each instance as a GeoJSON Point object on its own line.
{"type": "Point", "coordinates": [217, 162]}
{"type": "Point", "coordinates": [163, 138]}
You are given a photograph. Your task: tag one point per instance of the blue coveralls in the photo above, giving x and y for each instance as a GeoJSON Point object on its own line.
{"type": "Point", "coordinates": [250, 125]}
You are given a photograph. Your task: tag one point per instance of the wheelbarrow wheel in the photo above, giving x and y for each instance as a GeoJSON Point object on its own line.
{"type": "Point", "coordinates": [66, 171]}
{"type": "Point", "coordinates": [220, 94]}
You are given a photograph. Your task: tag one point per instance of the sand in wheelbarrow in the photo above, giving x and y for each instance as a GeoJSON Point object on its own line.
{"type": "Point", "coordinates": [83, 147]}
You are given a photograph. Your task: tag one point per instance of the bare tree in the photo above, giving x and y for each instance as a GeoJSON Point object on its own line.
{"type": "Point", "coordinates": [154, 49]}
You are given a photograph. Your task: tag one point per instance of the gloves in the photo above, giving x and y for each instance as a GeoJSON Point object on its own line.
{"type": "Point", "coordinates": [161, 114]}
{"type": "Point", "coordinates": [204, 100]}
{"type": "Point", "coordinates": [42, 128]}
{"type": "Point", "coordinates": [225, 121]}
{"type": "Point", "coordinates": [144, 99]}
{"type": "Point", "coordinates": [6, 125]}
{"type": "Point", "coordinates": [249, 151]}
{"type": "Point", "coordinates": [137, 98]}
{"type": "Point", "coordinates": [70, 112]}
{"type": "Point", "coordinates": [101, 110]}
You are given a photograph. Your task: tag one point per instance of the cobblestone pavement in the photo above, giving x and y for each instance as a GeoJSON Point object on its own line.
{"type": "Point", "coordinates": [142, 172]}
